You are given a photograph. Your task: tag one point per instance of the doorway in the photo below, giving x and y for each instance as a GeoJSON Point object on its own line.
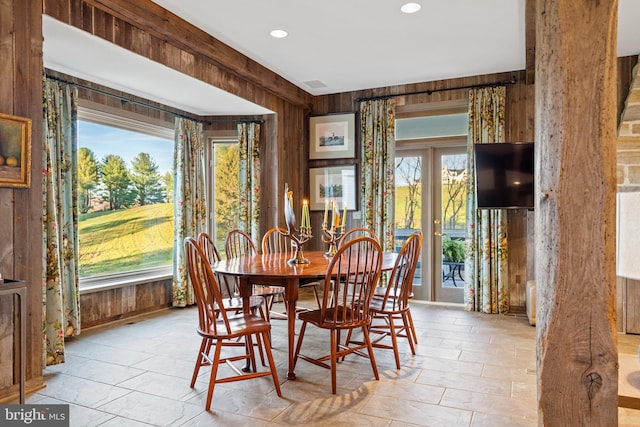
{"type": "Point", "coordinates": [431, 196]}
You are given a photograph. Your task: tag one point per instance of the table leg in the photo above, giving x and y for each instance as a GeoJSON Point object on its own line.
{"type": "Point", "coordinates": [452, 272]}
{"type": "Point", "coordinates": [291, 301]}
{"type": "Point", "coordinates": [244, 287]}
{"type": "Point", "coordinates": [23, 342]}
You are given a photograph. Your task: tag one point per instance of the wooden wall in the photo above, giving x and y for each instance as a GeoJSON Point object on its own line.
{"type": "Point", "coordinates": [21, 209]}
{"type": "Point", "coordinates": [105, 306]}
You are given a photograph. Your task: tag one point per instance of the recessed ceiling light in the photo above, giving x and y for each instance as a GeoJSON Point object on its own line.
{"type": "Point", "coordinates": [279, 34]}
{"type": "Point", "coordinates": [410, 8]}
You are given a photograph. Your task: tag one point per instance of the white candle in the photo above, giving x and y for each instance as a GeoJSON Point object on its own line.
{"type": "Point", "coordinates": [333, 214]}
{"type": "Point", "coordinates": [326, 213]}
{"type": "Point", "coordinates": [303, 219]}
{"type": "Point", "coordinates": [305, 214]}
{"type": "Point", "coordinates": [344, 217]}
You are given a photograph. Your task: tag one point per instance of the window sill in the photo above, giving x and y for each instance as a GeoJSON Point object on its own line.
{"type": "Point", "coordinates": [114, 281]}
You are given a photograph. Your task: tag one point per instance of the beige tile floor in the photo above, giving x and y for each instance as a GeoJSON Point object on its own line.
{"type": "Point", "coordinates": [471, 369]}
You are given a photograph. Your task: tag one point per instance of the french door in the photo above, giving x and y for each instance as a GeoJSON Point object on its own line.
{"type": "Point", "coordinates": [431, 196]}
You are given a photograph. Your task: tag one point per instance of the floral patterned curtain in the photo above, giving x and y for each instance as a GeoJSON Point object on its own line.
{"type": "Point", "coordinates": [189, 205]}
{"type": "Point", "coordinates": [60, 293]}
{"type": "Point", "coordinates": [249, 178]}
{"type": "Point", "coordinates": [486, 282]}
{"type": "Point", "coordinates": [377, 125]}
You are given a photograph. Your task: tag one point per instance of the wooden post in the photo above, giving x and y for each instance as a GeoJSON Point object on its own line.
{"type": "Point", "coordinates": [575, 212]}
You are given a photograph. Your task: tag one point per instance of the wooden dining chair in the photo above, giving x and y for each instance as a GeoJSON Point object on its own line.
{"type": "Point", "coordinates": [230, 294]}
{"type": "Point", "coordinates": [275, 241]}
{"type": "Point", "coordinates": [239, 243]}
{"type": "Point", "coordinates": [221, 327]}
{"type": "Point", "coordinates": [393, 305]}
{"type": "Point", "coordinates": [356, 232]}
{"type": "Point", "coordinates": [358, 261]}
{"type": "Point", "coordinates": [230, 298]}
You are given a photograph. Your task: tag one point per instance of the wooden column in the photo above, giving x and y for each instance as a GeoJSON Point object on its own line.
{"type": "Point", "coordinates": [575, 212]}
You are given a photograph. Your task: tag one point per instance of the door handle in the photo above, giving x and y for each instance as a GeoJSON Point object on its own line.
{"type": "Point", "coordinates": [437, 233]}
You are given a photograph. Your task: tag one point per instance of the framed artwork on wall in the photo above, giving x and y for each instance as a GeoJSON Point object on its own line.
{"type": "Point", "coordinates": [334, 183]}
{"type": "Point", "coordinates": [332, 136]}
{"type": "Point", "coordinates": [15, 151]}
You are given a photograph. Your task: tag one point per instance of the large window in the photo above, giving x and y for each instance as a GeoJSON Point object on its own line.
{"type": "Point", "coordinates": [224, 187]}
{"type": "Point", "coordinates": [125, 195]}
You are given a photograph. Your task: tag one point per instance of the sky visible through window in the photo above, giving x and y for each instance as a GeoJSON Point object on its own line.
{"type": "Point", "coordinates": [104, 140]}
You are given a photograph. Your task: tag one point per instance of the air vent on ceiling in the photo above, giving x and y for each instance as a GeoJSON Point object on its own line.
{"type": "Point", "coordinates": [315, 84]}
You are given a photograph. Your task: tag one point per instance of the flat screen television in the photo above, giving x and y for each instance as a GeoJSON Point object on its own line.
{"type": "Point", "coordinates": [504, 175]}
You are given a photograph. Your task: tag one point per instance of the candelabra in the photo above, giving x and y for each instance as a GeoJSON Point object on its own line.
{"type": "Point", "coordinates": [333, 234]}
{"type": "Point", "coordinates": [332, 237]}
{"type": "Point", "coordinates": [304, 234]}
{"type": "Point", "coordinates": [298, 241]}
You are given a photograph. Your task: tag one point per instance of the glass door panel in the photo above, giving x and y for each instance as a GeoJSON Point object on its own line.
{"type": "Point", "coordinates": [408, 208]}
{"type": "Point", "coordinates": [450, 203]}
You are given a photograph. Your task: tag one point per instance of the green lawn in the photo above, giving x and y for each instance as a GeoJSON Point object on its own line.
{"type": "Point", "coordinates": [126, 239]}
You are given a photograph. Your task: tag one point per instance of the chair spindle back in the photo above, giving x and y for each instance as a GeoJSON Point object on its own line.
{"type": "Point", "coordinates": [353, 274]}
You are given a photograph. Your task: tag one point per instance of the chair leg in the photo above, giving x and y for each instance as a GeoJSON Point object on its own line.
{"type": "Point", "coordinates": [412, 328]}
{"type": "Point", "coordinates": [260, 353]}
{"type": "Point", "coordinates": [214, 373]}
{"type": "Point", "coordinates": [251, 353]}
{"type": "Point", "coordinates": [317, 297]}
{"type": "Point", "coordinates": [409, 331]}
{"type": "Point", "coordinates": [372, 359]}
{"type": "Point", "coordinates": [272, 364]}
{"type": "Point", "coordinates": [335, 340]}
{"type": "Point", "coordinates": [394, 340]}
{"type": "Point", "coordinates": [299, 344]}
{"type": "Point", "coordinates": [204, 349]}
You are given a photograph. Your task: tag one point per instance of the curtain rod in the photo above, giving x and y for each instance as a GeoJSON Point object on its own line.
{"type": "Point", "coordinates": [153, 107]}
{"type": "Point", "coordinates": [511, 81]}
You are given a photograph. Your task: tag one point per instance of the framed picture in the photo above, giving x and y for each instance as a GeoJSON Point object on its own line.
{"type": "Point", "coordinates": [332, 136]}
{"type": "Point", "coordinates": [337, 183]}
{"type": "Point", "coordinates": [15, 151]}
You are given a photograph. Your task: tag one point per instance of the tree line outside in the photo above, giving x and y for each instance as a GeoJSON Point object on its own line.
{"type": "Point", "coordinates": [113, 181]}
{"type": "Point", "coordinates": [409, 192]}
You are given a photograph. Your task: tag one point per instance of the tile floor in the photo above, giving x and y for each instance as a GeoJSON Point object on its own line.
{"type": "Point", "coordinates": [470, 369]}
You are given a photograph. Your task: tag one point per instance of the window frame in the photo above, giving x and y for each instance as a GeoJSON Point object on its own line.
{"type": "Point", "coordinates": [212, 138]}
{"type": "Point", "coordinates": [121, 119]}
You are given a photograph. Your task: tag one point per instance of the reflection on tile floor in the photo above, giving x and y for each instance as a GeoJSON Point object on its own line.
{"type": "Point", "coordinates": [470, 369]}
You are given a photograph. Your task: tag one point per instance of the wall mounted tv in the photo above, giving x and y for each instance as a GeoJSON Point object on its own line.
{"type": "Point", "coordinates": [504, 175]}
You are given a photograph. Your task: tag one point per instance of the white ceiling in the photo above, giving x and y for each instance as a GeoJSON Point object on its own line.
{"type": "Point", "coordinates": [344, 45]}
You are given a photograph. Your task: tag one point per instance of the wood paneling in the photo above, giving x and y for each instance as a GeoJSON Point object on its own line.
{"type": "Point", "coordinates": [21, 209]}
{"type": "Point", "coordinates": [631, 312]}
{"type": "Point", "coordinates": [101, 307]}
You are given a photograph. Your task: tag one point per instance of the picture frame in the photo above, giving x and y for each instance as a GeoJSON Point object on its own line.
{"type": "Point", "coordinates": [339, 183]}
{"type": "Point", "coordinates": [15, 151]}
{"type": "Point", "coordinates": [332, 136]}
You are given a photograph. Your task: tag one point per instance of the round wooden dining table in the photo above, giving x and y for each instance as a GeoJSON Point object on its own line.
{"type": "Point", "coordinates": [274, 269]}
